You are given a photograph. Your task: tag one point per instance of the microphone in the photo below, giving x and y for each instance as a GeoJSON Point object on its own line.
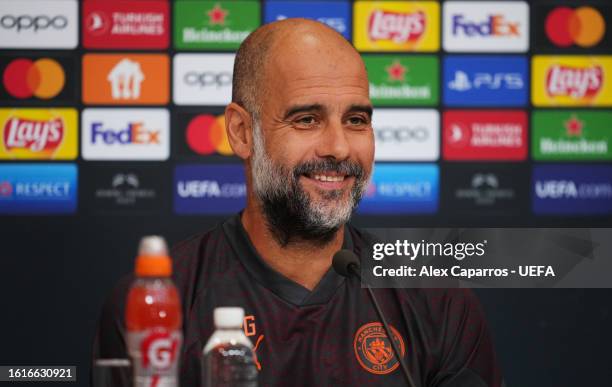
{"type": "Point", "coordinates": [347, 264]}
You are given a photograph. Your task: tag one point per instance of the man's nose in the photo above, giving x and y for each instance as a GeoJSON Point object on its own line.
{"type": "Point", "coordinates": [334, 142]}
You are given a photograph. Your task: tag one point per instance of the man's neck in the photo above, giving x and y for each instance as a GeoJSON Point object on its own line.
{"type": "Point", "coordinates": [304, 262]}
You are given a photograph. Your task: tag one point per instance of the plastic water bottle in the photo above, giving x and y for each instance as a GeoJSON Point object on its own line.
{"type": "Point", "coordinates": [153, 317]}
{"type": "Point", "coordinates": [228, 355]}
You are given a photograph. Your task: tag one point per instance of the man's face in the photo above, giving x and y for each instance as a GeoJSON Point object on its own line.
{"type": "Point", "coordinates": [316, 147]}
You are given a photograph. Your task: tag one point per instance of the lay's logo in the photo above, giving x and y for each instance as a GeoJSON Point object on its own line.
{"type": "Point", "coordinates": [42, 136]}
{"type": "Point", "coordinates": [571, 81]}
{"type": "Point", "coordinates": [575, 82]}
{"type": "Point", "coordinates": [396, 26]}
{"type": "Point", "coordinates": [31, 134]}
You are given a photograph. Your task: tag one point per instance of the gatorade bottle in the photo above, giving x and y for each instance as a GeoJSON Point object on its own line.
{"type": "Point", "coordinates": [153, 317]}
{"type": "Point", "coordinates": [228, 355]}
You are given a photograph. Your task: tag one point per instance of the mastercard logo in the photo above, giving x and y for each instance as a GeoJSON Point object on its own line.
{"type": "Point", "coordinates": [206, 135]}
{"type": "Point", "coordinates": [43, 78]}
{"type": "Point", "coordinates": [583, 26]}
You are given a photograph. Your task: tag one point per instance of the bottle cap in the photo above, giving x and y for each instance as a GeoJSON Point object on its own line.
{"type": "Point", "coordinates": [228, 317]}
{"type": "Point", "coordinates": [153, 259]}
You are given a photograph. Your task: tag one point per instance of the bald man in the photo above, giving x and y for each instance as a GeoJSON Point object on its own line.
{"type": "Point", "coordinates": [300, 119]}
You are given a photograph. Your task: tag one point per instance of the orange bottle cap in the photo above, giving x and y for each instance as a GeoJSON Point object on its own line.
{"type": "Point", "coordinates": [153, 259]}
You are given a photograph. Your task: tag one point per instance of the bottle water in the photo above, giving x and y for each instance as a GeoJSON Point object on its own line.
{"type": "Point", "coordinates": [228, 355]}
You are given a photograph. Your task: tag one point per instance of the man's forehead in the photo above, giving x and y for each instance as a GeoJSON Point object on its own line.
{"type": "Point", "coordinates": [318, 80]}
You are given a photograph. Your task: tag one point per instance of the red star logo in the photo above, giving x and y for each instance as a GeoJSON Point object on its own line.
{"type": "Point", "coordinates": [217, 15]}
{"type": "Point", "coordinates": [574, 126]}
{"type": "Point", "coordinates": [396, 71]}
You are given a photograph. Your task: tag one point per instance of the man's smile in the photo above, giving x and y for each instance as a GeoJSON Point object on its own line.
{"type": "Point", "coordinates": [329, 180]}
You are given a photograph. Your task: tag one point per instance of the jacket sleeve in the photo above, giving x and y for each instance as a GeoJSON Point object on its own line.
{"type": "Point", "coordinates": [467, 354]}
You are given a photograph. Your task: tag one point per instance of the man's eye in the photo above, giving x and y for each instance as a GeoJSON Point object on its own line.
{"type": "Point", "coordinates": [307, 120]}
{"type": "Point", "coordinates": [357, 120]}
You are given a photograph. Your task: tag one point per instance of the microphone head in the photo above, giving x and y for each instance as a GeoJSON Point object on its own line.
{"type": "Point", "coordinates": [342, 262]}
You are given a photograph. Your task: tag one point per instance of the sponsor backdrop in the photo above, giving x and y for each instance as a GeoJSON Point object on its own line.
{"type": "Point", "coordinates": [487, 113]}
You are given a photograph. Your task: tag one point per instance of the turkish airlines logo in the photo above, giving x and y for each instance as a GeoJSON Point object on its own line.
{"type": "Point", "coordinates": [97, 23]}
{"type": "Point", "coordinates": [127, 24]}
{"type": "Point", "coordinates": [485, 135]}
{"type": "Point", "coordinates": [396, 26]}
{"type": "Point", "coordinates": [575, 82]}
{"type": "Point", "coordinates": [42, 78]}
{"type": "Point", "coordinates": [125, 79]}
{"type": "Point", "coordinates": [583, 26]}
{"type": "Point", "coordinates": [27, 24]}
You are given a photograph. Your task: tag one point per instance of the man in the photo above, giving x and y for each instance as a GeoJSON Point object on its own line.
{"type": "Point", "coordinates": [300, 118]}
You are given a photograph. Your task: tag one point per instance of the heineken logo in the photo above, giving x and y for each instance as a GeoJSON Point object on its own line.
{"type": "Point", "coordinates": [574, 126]}
{"type": "Point", "coordinates": [216, 16]}
{"type": "Point", "coordinates": [396, 71]}
{"type": "Point", "coordinates": [577, 136]}
{"type": "Point", "coordinates": [402, 80]}
{"type": "Point", "coordinates": [214, 24]}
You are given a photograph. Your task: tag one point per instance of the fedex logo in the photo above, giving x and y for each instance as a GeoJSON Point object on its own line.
{"type": "Point", "coordinates": [125, 134]}
{"type": "Point", "coordinates": [134, 133]}
{"type": "Point", "coordinates": [486, 26]}
{"type": "Point", "coordinates": [494, 25]}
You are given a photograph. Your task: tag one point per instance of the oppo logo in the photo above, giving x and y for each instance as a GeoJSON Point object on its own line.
{"type": "Point", "coordinates": [206, 79]}
{"type": "Point", "coordinates": [26, 22]}
{"type": "Point", "coordinates": [403, 134]}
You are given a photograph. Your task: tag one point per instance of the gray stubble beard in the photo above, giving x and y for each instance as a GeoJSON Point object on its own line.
{"type": "Point", "coordinates": [290, 212]}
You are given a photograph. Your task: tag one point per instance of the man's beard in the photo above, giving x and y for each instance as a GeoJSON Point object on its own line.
{"type": "Point", "coordinates": [291, 214]}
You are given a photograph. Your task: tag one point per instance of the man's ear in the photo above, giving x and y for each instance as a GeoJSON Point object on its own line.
{"type": "Point", "coordinates": [239, 128]}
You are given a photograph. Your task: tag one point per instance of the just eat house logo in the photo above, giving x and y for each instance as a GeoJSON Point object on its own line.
{"type": "Point", "coordinates": [126, 79]}
{"type": "Point", "coordinates": [126, 24]}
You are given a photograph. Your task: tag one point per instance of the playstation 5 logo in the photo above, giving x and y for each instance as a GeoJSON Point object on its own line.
{"type": "Point", "coordinates": [492, 81]}
{"type": "Point", "coordinates": [485, 80]}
